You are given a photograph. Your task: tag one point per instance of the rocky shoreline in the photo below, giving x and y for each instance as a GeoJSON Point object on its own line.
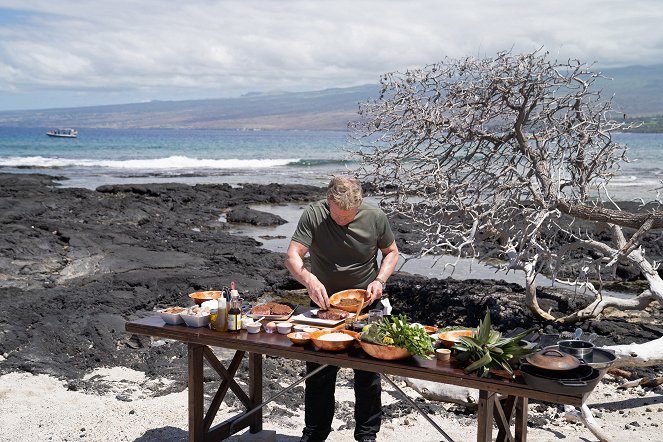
{"type": "Point", "coordinates": [76, 264]}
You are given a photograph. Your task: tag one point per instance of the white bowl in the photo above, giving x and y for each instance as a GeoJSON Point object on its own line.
{"type": "Point", "coordinates": [196, 321]}
{"type": "Point", "coordinates": [300, 327]}
{"type": "Point", "coordinates": [310, 329]}
{"type": "Point", "coordinates": [253, 327]}
{"type": "Point", "coordinates": [284, 327]}
{"type": "Point", "coordinates": [171, 318]}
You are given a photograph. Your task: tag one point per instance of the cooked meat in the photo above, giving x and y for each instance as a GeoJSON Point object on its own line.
{"type": "Point", "coordinates": [348, 302]}
{"type": "Point", "coordinates": [333, 314]}
{"type": "Point", "coordinates": [271, 308]}
{"type": "Point", "coordinates": [261, 310]}
{"type": "Point", "coordinates": [281, 309]}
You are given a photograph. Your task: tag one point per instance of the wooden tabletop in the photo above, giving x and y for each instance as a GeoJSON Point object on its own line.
{"type": "Point", "coordinates": [275, 344]}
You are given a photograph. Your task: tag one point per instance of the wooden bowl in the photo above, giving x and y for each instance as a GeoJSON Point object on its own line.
{"type": "Point", "coordinates": [328, 345]}
{"type": "Point", "coordinates": [386, 352]}
{"type": "Point", "coordinates": [353, 294]}
{"type": "Point", "coordinates": [200, 297]}
{"type": "Point", "coordinates": [450, 338]}
{"type": "Point", "coordinates": [299, 338]}
{"type": "Point", "coordinates": [430, 329]}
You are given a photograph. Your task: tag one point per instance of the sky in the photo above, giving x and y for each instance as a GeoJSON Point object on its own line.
{"type": "Point", "coordinates": [70, 53]}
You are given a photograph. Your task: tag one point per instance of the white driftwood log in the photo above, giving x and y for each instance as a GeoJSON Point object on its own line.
{"type": "Point", "coordinates": [435, 391]}
{"type": "Point", "coordinates": [585, 416]}
{"type": "Point", "coordinates": [638, 355]}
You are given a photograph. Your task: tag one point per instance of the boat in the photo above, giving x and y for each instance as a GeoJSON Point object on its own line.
{"type": "Point", "coordinates": [63, 133]}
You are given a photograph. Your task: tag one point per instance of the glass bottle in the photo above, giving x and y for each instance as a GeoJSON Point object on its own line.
{"type": "Point", "coordinates": [235, 312]}
{"type": "Point", "coordinates": [222, 315]}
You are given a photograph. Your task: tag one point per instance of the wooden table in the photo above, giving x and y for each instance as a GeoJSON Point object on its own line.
{"type": "Point", "coordinates": [512, 405]}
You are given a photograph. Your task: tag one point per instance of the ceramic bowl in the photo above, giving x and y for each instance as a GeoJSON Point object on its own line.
{"type": "Point", "coordinates": [200, 297]}
{"type": "Point", "coordinates": [450, 338]}
{"type": "Point", "coordinates": [430, 329]}
{"type": "Point", "coordinates": [196, 321]}
{"type": "Point", "coordinates": [284, 327]}
{"type": "Point", "coordinates": [317, 337]}
{"type": "Point", "coordinates": [386, 352]}
{"type": "Point", "coordinates": [353, 295]}
{"type": "Point", "coordinates": [299, 338]}
{"type": "Point", "coordinates": [172, 315]}
{"type": "Point", "coordinates": [300, 327]}
{"type": "Point", "coordinates": [253, 327]}
{"type": "Point", "coordinates": [309, 329]}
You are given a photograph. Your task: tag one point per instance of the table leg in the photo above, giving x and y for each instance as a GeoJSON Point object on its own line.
{"type": "Point", "coordinates": [255, 388]}
{"type": "Point", "coordinates": [485, 416]}
{"type": "Point", "coordinates": [521, 419]}
{"type": "Point", "coordinates": [196, 404]}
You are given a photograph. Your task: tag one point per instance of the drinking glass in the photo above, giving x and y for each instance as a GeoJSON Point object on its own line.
{"type": "Point", "coordinates": [374, 316]}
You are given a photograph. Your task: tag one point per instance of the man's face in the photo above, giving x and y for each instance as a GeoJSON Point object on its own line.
{"type": "Point", "coordinates": [340, 216]}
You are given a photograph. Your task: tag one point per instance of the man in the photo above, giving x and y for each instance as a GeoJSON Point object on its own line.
{"type": "Point", "coordinates": [342, 234]}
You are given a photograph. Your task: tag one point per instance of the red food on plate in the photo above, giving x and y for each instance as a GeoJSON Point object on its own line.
{"type": "Point", "coordinates": [333, 314]}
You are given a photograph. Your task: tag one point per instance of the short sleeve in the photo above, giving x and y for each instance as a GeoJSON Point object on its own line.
{"type": "Point", "coordinates": [304, 231]}
{"type": "Point", "coordinates": [385, 234]}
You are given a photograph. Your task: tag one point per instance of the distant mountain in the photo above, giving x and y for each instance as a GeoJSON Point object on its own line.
{"type": "Point", "coordinates": [638, 92]}
{"type": "Point", "coordinates": [329, 109]}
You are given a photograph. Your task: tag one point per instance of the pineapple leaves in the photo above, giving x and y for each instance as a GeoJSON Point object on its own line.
{"type": "Point", "coordinates": [487, 348]}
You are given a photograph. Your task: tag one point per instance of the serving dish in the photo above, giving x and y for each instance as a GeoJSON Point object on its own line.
{"type": "Point", "coordinates": [385, 352]}
{"type": "Point", "coordinates": [200, 297]}
{"type": "Point", "coordinates": [299, 338]}
{"type": "Point", "coordinates": [171, 315]}
{"type": "Point", "coordinates": [310, 317]}
{"type": "Point", "coordinates": [348, 300]}
{"type": "Point", "coordinates": [336, 345]}
{"type": "Point", "coordinates": [450, 338]}
{"type": "Point", "coordinates": [275, 317]}
{"type": "Point", "coordinates": [195, 320]}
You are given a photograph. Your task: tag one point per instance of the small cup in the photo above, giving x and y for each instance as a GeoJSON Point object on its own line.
{"type": "Point", "coordinates": [310, 329]}
{"type": "Point", "coordinates": [299, 327]}
{"type": "Point", "coordinates": [253, 327]}
{"type": "Point", "coordinates": [443, 354]}
{"type": "Point", "coordinates": [374, 316]}
{"type": "Point", "coordinates": [284, 327]}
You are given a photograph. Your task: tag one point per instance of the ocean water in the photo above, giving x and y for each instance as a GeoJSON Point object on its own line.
{"type": "Point", "coordinates": [110, 156]}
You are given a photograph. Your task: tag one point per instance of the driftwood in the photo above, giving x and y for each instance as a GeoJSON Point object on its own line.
{"type": "Point", "coordinates": [503, 158]}
{"type": "Point", "coordinates": [435, 391]}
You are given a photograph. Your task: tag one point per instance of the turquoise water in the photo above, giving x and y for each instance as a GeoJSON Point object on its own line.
{"type": "Point", "coordinates": [103, 156]}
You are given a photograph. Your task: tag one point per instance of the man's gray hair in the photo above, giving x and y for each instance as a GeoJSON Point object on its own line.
{"type": "Point", "coordinates": [345, 192]}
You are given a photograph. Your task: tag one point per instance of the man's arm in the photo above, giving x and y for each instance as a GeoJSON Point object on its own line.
{"type": "Point", "coordinates": [295, 263]}
{"type": "Point", "coordinates": [387, 266]}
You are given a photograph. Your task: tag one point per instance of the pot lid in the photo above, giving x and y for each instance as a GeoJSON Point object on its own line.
{"type": "Point", "coordinates": [553, 359]}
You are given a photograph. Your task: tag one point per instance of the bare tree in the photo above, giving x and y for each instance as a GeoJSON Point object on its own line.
{"type": "Point", "coordinates": [507, 159]}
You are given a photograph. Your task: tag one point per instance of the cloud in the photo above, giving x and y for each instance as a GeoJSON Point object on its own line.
{"type": "Point", "coordinates": [122, 50]}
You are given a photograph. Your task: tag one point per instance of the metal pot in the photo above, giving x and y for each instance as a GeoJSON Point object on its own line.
{"type": "Point", "coordinates": [553, 359]}
{"type": "Point", "coordinates": [579, 349]}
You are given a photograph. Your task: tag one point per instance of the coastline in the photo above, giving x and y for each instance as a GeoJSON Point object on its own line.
{"type": "Point", "coordinates": [78, 263]}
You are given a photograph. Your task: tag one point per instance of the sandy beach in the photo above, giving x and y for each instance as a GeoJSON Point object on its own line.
{"type": "Point", "coordinates": [129, 411]}
{"type": "Point", "coordinates": [76, 264]}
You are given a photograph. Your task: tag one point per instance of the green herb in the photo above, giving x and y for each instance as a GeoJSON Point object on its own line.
{"type": "Point", "coordinates": [488, 349]}
{"type": "Point", "coordinates": [398, 333]}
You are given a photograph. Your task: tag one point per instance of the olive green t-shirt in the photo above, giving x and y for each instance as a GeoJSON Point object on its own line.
{"type": "Point", "coordinates": [344, 257]}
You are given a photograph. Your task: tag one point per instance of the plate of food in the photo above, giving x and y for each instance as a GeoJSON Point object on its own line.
{"type": "Point", "coordinates": [272, 311]}
{"type": "Point", "coordinates": [327, 318]}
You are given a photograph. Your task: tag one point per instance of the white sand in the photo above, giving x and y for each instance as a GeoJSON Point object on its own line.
{"type": "Point", "coordinates": [41, 408]}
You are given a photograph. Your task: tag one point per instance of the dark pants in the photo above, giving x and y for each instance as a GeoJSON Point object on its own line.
{"type": "Point", "coordinates": [319, 403]}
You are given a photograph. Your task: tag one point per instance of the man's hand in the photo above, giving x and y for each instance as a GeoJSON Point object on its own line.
{"type": "Point", "coordinates": [317, 291]}
{"type": "Point", "coordinates": [295, 264]}
{"type": "Point", "coordinates": [374, 291]}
